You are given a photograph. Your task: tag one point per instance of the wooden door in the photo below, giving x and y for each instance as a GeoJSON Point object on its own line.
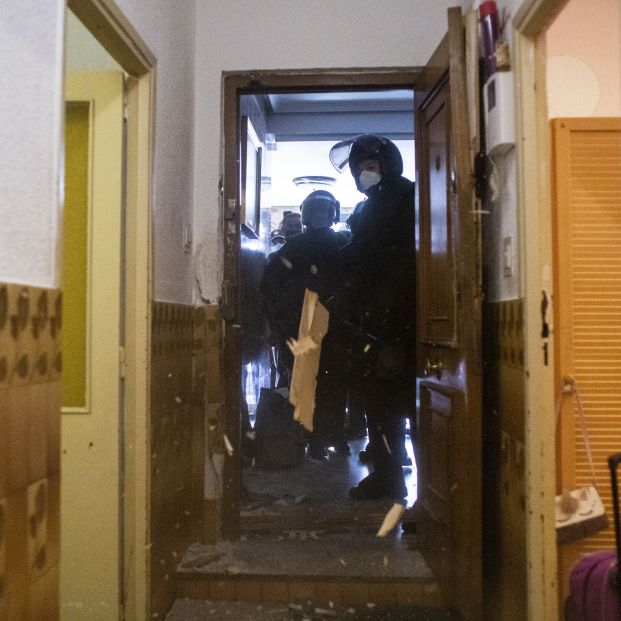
{"type": "Point", "coordinates": [449, 417]}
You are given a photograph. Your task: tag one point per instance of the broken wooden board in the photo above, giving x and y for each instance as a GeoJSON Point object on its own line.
{"type": "Point", "coordinates": [307, 351]}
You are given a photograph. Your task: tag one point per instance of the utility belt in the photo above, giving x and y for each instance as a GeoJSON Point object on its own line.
{"type": "Point", "coordinates": [368, 357]}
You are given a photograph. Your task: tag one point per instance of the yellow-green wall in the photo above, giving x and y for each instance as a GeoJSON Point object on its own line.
{"type": "Point", "coordinates": [75, 254]}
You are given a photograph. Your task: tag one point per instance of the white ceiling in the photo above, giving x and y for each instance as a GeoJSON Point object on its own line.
{"type": "Point", "coordinates": [353, 101]}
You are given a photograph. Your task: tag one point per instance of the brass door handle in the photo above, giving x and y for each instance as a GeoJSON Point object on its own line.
{"type": "Point", "coordinates": [435, 369]}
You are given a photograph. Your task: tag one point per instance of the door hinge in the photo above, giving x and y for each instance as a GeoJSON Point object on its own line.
{"type": "Point", "coordinates": [122, 363]}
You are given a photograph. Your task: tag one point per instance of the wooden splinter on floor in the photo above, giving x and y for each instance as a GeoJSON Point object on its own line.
{"type": "Point", "coordinates": [307, 350]}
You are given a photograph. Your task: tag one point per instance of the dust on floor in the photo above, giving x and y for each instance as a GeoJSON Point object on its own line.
{"type": "Point", "coordinates": [201, 610]}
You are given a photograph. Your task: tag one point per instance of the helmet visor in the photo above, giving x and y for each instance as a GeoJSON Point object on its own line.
{"type": "Point", "coordinates": [339, 154]}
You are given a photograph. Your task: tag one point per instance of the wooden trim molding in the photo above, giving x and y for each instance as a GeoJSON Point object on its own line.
{"type": "Point", "coordinates": [531, 19]}
{"type": "Point", "coordinates": [235, 84]}
{"type": "Point", "coordinates": [534, 16]}
{"type": "Point", "coordinates": [107, 23]}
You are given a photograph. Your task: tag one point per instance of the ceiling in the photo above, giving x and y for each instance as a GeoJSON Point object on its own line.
{"type": "Point", "coordinates": [367, 101]}
{"type": "Point", "coordinates": [335, 115]}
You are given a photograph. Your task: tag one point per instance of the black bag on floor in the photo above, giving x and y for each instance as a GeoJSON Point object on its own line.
{"type": "Point", "coordinates": [280, 440]}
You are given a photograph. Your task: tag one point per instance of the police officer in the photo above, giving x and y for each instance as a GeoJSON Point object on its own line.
{"type": "Point", "coordinates": [377, 303]}
{"type": "Point", "coordinates": [309, 261]}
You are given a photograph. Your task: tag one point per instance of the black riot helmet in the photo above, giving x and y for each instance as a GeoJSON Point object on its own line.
{"type": "Point", "coordinates": [320, 210]}
{"type": "Point", "coordinates": [367, 147]}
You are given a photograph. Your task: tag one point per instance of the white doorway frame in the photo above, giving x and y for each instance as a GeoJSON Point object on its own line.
{"type": "Point", "coordinates": [107, 23]}
{"type": "Point", "coordinates": [531, 19]}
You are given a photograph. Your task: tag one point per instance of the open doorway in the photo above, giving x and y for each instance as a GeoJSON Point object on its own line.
{"type": "Point", "coordinates": [92, 306]}
{"type": "Point", "coordinates": [107, 288]}
{"type": "Point", "coordinates": [448, 496]}
{"type": "Point", "coordinates": [285, 143]}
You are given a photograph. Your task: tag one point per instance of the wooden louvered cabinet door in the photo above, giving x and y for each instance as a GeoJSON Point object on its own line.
{"type": "Point", "coordinates": [587, 317]}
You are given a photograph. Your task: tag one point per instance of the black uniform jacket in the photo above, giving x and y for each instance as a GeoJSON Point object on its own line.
{"type": "Point", "coordinates": [307, 261]}
{"type": "Point", "coordinates": [378, 265]}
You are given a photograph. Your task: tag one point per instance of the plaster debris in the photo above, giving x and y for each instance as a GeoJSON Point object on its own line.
{"type": "Point", "coordinates": [326, 612]}
{"type": "Point", "coordinates": [392, 518]}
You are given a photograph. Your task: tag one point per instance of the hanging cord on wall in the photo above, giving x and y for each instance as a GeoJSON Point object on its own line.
{"type": "Point", "coordinates": [570, 387]}
{"type": "Point", "coordinates": [579, 512]}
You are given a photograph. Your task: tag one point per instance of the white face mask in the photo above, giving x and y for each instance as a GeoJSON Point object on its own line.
{"type": "Point", "coordinates": [368, 178]}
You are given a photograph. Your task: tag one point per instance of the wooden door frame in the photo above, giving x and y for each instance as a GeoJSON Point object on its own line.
{"type": "Point", "coordinates": [235, 84]}
{"type": "Point", "coordinates": [531, 20]}
{"type": "Point", "coordinates": [107, 23]}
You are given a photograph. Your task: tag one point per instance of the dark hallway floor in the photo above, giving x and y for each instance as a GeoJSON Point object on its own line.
{"type": "Point", "coordinates": [309, 552]}
{"type": "Point", "coordinates": [314, 495]}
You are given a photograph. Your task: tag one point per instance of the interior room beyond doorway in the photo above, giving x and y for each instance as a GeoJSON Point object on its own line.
{"type": "Point", "coordinates": [286, 138]}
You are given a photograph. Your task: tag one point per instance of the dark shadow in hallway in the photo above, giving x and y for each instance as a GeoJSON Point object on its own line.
{"type": "Point", "coordinates": [314, 496]}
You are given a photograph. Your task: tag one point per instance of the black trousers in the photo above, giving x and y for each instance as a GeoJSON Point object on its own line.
{"type": "Point", "coordinates": [385, 420]}
{"type": "Point", "coordinates": [330, 397]}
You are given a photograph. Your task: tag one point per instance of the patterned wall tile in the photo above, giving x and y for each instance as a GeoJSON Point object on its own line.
{"type": "Point", "coordinates": [2, 553]}
{"type": "Point", "coordinates": [177, 335]}
{"type": "Point", "coordinates": [21, 365]}
{"type": "Point", "coordinates": [505, 374]}
{"type": "Point", "coordinates": [38, 507]}
{"type": "Point", "coordinates": [7, 343]}
{"type": "Point", "coordinates": [30, 342]}
{"type": "Point", "coordinates": [509, 331]}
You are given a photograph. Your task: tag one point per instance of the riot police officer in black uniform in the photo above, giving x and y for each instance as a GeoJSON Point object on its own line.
{"type": "Point", "coordinates": [309, 261]}
{"type": "Point", "coordinates": [376, 304]}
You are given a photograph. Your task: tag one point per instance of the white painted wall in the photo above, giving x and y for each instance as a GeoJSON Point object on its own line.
{"type": "Point", "coordinates": [31, 43]}
{"type": "Point", "coordinates": [31, 66]}
{"type": "Point", "coordinates": [290, 34]}
{"type": "Point", "coordinates": [238, 34]}
{"type": "Point", "coordinates": [584, 79]}
{"type": "Point", "coordinates": [168, 28]}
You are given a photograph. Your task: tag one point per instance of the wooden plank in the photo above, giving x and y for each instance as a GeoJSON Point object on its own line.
{"type": "Point", "coordinates": [314, 326]}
